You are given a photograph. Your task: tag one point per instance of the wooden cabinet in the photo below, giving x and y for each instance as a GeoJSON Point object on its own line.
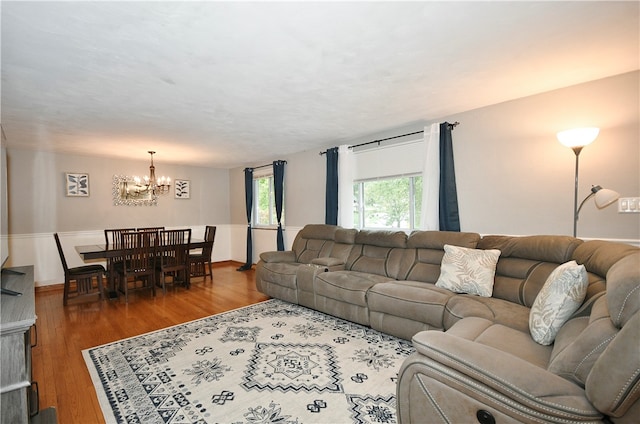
{"type": "Point", "coordinates": [18, 336]}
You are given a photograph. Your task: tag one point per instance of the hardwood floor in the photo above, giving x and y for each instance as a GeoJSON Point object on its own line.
{"type": "Point", "coordinates": [64, 331]}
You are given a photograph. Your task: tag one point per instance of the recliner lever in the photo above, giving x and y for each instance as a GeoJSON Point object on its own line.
{"type": "Point", "coordinates": [485, 417]}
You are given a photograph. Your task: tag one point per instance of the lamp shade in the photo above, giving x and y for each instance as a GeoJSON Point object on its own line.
{"type": "Point", "coordinates": [604, 197]}
{"type": "Point", "coordinates": [578, 137]}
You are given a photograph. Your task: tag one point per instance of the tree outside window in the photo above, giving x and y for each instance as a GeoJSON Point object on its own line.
{"type": "Point", "coordinates": [393, 202]}
{"type": "Point", "coordinates": [264, 202]}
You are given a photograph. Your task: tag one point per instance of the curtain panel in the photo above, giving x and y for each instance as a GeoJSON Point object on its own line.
{"type": "Point", "coordinates": [439, 192]}
{"type": "Point", "coordinates": [429, 217]}
{"type": "Point", "coordinates": [278, 188]}
{"type": "Point", "coordinates": [248, 197]}
{"type": "Point", "coordinates": [448, 195]}
{"type": "Point", "coordinates": [331, 192]}
{"type": "Point", "coordinates": [346, 166]}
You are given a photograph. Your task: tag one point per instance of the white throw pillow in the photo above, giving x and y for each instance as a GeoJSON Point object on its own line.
{"type": "Point", "coordinates": [561, 295]}
{"type": "Point", "coordinates": [465, 270]}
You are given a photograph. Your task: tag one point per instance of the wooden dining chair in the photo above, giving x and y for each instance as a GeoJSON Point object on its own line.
{"type": "Point", "coordinates": [173, 257]}
{"type": "Point", "coordinates": [82, 276]}
{"type": "Point", "coordinates": [113, 240]}
{"type": "Point", "coordinates": [137, 270]}
{"type": "Point", "coordinates": [199, 262]}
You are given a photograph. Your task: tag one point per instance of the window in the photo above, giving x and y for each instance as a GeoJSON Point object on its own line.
{"type": "Point", "coordinates": [390, 202]}
{"type": "Point", "coordinates": [264, 204]}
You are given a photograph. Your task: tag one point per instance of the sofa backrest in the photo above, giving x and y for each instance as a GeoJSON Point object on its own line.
{"type": "Point", "coordinates": [526, 262]}
{"type": "Point", "coordinates": [422, 258]}
{"type": "Point", "coordinates": [600, 351]}
{"type": "Point", "coordinates": [377, 252]}
{"type": "Point", "coordinates": [314, 241]}
{"type": "Point", "coordinates": [598, 256]}
{"type": "Point", "coordinates": [343, 244]}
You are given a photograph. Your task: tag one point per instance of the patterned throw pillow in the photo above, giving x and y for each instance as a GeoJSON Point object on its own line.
{"type": "Point", "coordinates": [561, 295]}
{"type": "Point", "coordinates": [465, 270]}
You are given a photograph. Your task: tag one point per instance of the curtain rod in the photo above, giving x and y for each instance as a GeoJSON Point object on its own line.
{"type": "Point", "coordinates": [264, 166]}
{"type": "Point", "coordinates": [391, 138]}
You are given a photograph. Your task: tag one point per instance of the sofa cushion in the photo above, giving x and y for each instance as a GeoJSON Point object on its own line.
{"type": "Point", "coordinates": [278, 256]}
{"type": "Point", "coordinates": [437, 239]}
{"type": "Point", "coordinates": [495, 310]}
{"type": "Point", "coordinates": [465, 270]}
{"type": "Point", "coordinates": [580, 342]}
{"type": "Point", "coordinates": [623, 289]}
{"type": "Point", "coordinates": [327, 262]}
{"type": "Point", "coordinates": [313, 241]}
{"type": "Point", "coordinates": [598, 256]}
{"type": "Point", "coordinates": [413, 300]}
{"type": "Point", "coordinates": [422, 257]}
{"type": "Point", "coordinates": [382, 238]}
{"type": "Point", "coordinates": [505, 339]}
{"type": "Point", "coordinates": [526, 262]}
{"type": "Point", "coordinates": [543, 248]}
{"type": "Point", "coordinates": [346, 235]}
{"type": "Point", "coordinates": [560, 297]}
{"type": "Point", "coordinates": [347, 286]}
{"type": "Point", "coordinates": [613, 385]}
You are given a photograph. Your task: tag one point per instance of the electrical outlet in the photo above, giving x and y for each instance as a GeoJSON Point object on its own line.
{"type": "Point", "coordinates": [629, 205]}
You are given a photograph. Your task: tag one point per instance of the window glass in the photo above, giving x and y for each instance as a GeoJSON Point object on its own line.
{"type": "Point", "coordinates": [264, 202]}
{"type": "Point", "coordinates": [392, 202]}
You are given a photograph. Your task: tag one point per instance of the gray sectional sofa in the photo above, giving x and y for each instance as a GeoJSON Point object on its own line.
{"type": "Point", "coordinates": [475, 359]}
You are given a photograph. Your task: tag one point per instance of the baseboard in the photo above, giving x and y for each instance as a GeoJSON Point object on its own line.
{"type": "Point", "coordinates": [50, 288]}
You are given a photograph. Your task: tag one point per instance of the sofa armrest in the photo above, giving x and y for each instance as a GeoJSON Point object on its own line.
{"type": "Point", "coordinates": [490, 370]}
{"type": "Point", "coordinates": [278, 256]}
{"type": "Point", "coordinates": [332, 264]}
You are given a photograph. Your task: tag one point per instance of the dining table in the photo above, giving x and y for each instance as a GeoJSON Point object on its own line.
{"type": "Point", "coordinates": [106, 251]}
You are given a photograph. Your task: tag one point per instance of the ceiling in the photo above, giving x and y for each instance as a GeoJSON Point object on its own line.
{"type": "Point", "coordinates": [228, 84]}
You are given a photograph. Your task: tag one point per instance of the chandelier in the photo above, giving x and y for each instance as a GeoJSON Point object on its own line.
{"type": "Point", "coordinates": [151, 184]}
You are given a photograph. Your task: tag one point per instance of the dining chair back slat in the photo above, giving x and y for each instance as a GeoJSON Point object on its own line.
{"type": "Point", "coordinates": [153, 233]}
{"type": "Point", "coordinates": [150, 229]}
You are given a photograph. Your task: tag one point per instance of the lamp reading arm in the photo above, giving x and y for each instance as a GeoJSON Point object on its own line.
{"type": "Point", "coordinates": [594, 190]}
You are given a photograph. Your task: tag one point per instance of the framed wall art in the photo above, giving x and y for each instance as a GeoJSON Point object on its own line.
{"type": "Point", "coordinates": [77, 184]}
{"type": "Point", "coordinates": [183, 189]}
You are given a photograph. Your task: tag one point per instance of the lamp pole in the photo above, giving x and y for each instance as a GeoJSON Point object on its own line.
{"type": "Point", "coordinates": [576, 150]}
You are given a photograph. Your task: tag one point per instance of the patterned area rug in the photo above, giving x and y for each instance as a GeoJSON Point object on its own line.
{"type": "Point", "coordinates": [265, 363]}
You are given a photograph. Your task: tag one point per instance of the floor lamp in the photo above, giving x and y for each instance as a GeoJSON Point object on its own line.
{"type": "Point", "coordinates": [576, 139]}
